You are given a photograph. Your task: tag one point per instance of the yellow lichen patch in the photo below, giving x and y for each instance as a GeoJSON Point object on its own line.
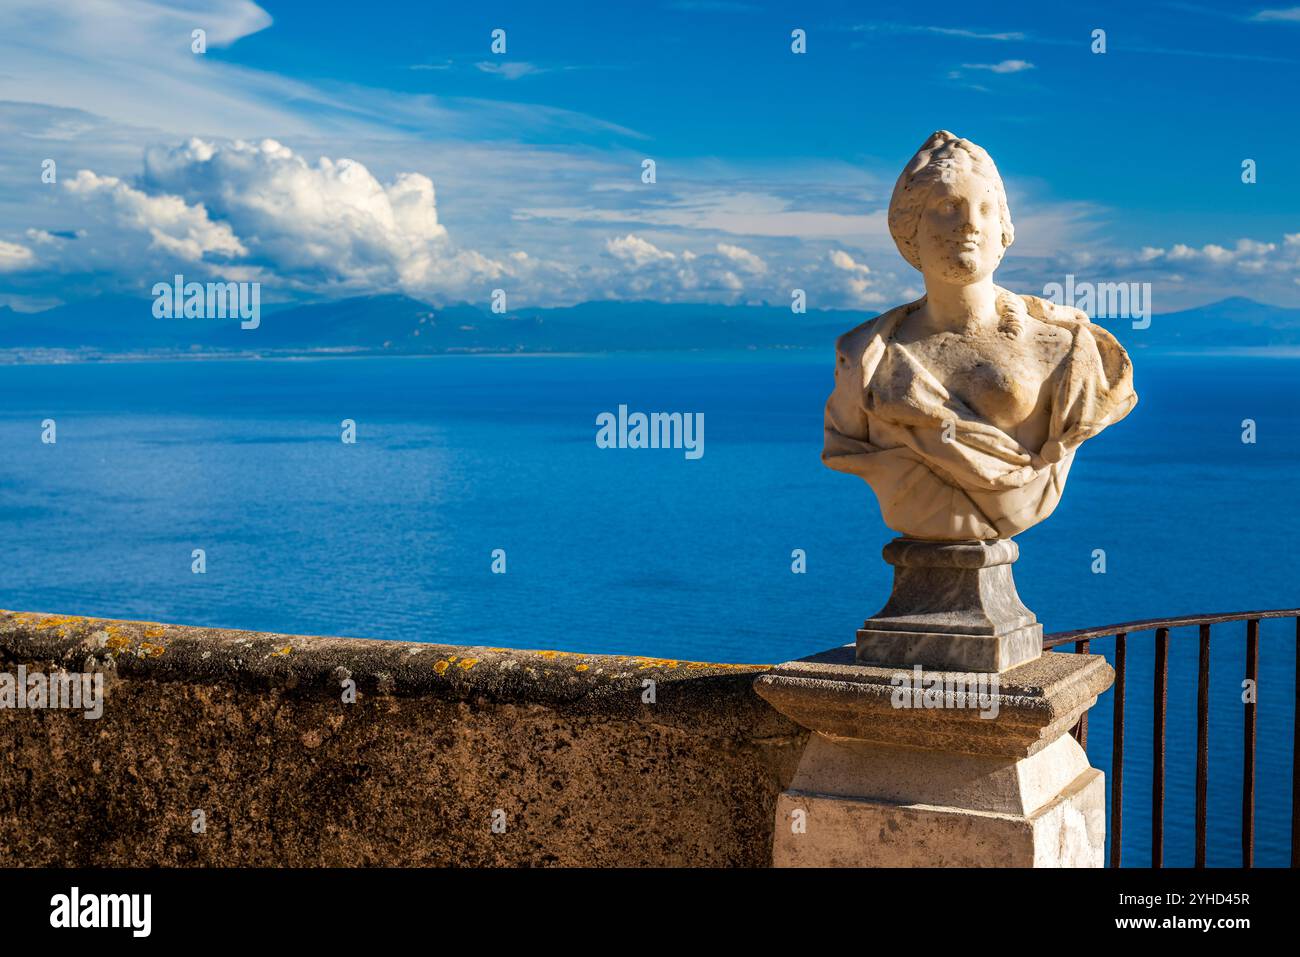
{"type": "Point", "coordinates": [154, 631]}
{"type": "Point", "coordinates": [149, 650]}
{"type": "Point", "coordinates": [46, 622]}
{"type": "Point", "coordinates": [730, 667]}
{"type": "Point", "coordinates": [282, 652]}
{"type": "Point", "coordinates": [553, 655]}
{"type": "Point", "coordinates": [581, 667]}
{"type": "Point", "coordinates": [643, 663]}
{"type": "Point", "coordinates": [467, 663]}
{"type": "Point", "coordinates": [117, 642]}
{"type": "Point", "coordinates": [441, 667]}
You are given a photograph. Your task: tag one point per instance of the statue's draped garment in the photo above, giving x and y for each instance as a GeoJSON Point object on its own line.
{"type": "Point", "coordinates": [939, 470]}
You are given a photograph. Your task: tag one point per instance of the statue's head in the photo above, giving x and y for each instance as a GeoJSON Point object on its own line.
{"type": "Point", "coordinates": [949, 214]}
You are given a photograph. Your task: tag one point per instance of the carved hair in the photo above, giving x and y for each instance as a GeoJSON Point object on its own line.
{"type": "Point", "coordinates": [943, 156]}
{"type": "Point", "coordinates": [1012, 314]}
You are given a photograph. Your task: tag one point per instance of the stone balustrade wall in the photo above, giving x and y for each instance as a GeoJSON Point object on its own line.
{"type": "Point", "coordinates": [252, 730]}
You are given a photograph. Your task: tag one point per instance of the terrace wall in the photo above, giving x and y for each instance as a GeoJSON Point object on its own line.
{"type": "Point", "coordinates": [252, 730]}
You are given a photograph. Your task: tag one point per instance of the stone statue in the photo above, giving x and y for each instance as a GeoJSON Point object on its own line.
{"type": "Point", "coordinates": [963, 410]}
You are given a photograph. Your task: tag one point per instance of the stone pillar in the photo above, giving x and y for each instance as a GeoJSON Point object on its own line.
{"type": "Point", "coordinates": [939, 778]}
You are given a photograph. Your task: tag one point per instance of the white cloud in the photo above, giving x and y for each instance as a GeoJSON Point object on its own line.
{"type": "Point", "coordinates": [14, 257]}
{"type": "Point", "coordinates": [941, 31]}
{"type": "Point", "coordinates": [331, 220]}
{"type": "Point", "coordinates": [510, 70]}
{"type": "Point", "coordinates": [1287, 15]}
{"type": "Point", "coordinates": [173, 225]}
{"type": "Point", "coordinates": [715, 275]}
{"type": "Point", "coordinates": [1183, 275]}
{"type": "Point", "coordinates": [756, 212]}
{"type": "Point", "coordinates": [637, 251]}
{"type": "Point", "coordinates": [1005, 66]}
{"type": "Point", "coordinates": [859, 287]}
{"type": "Point", "coordinates": [131, 63]}
{"type": "Point", "coordinates": [842, 260]}
{"type": "Point", "coordinates": [263, 211]}
{"type": "Point", "coordinates": [743, 258]}
{"type": "Point", "coordinates": [1248, 254]}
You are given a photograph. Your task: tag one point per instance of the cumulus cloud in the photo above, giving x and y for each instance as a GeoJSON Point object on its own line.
{"type": "Point", "coordinates": [729, 273]}
{"type": "Point", "coordinates": [174, 226]}
{"type": "Point", "coordinates": [1247, 255]}
{"type": "Point", "coordinates": [637, 251]}
{"type": "Point", "coordinates": [657, 273]}
{"type": "Point", "coordinates": [855, 279]}
{"type": "Point", "coordinates": [14, 257]}
{"type": "Point", "coordinates": [743, 258]}
{"type": "Point", "coordinates": [1185, 275]}
{"type": "Point", "coordinates": [261, 206]}
{"type": "Point", "coordinates": [842, 260]}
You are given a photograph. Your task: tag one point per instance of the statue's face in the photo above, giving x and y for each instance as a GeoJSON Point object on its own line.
{"type": "Point", "coordinates": [959, 238]}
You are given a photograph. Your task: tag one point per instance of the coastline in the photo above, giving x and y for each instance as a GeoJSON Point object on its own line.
{"type": "Point", "coordinates": [18, 357]}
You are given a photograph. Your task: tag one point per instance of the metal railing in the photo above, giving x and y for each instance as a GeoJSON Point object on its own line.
{"type": "Point", "coordinates": [1081, 640]}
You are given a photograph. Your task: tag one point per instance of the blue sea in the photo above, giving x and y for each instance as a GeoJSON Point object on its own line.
{"type": "Point", "coordinates": [636, 550]}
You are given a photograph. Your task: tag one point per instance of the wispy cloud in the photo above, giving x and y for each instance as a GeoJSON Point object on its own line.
{"type": "Point", "coordinates": [1003, 36]}
{"type": "Point", "coordinates": [712, 6]}
{"type": "Point", "coordinates": [511, 69]}
{"type": "Point", "coordinates": [1006, 66]}
{"type": "Point", "coordinates": [1285, 15]}
{"type": "Point", "coordinates": [1002, 67]}
{"type": "Point", "coordinates": [139, 70]}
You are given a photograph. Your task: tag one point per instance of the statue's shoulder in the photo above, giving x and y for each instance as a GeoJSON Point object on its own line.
{"type": "Point", "coordinates": [1047, 311]}
{"type": "Point", "coordinates": [1091, 339]}
{"type": "Point", "coordinates": [1072, 320]}
{"type": "Point", "coordinates": [856, 340]}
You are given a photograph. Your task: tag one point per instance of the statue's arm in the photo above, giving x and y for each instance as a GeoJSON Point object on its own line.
{"type": "Point", "coordinates": [846, 431]}
{"type": "Point", "coordinates": [1094, 391]}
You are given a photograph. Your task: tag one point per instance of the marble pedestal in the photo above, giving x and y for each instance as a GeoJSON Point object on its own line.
{"type": "Point", "coordinates": [889, 779]}
{"type": "Point", "coordinates": [954, 607]}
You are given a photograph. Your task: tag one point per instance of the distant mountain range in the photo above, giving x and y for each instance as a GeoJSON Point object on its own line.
{"type": "Point", "coordinates": [396, 324]}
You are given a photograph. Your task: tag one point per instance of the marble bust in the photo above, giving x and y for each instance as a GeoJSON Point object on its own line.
{"type": "Point", "coordinates": [963, 410]}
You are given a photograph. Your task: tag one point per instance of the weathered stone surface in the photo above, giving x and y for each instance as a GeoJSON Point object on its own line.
{"type": "Point", "coordinates": [846, 832]}
{"type": "Point", "coordinates": [998, 784]}
{"type": "Point", "coordinates": [251, 729]}
{"type": "Point", "coordinates": [831, 693]}
{"type": "Point", "coordinates": [954, 607]}
{"type": "Point", "coordinates": [993, 784]}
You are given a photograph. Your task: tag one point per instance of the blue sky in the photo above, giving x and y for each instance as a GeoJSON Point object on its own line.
{"type": "Point", "coordinates": [337, 149]}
